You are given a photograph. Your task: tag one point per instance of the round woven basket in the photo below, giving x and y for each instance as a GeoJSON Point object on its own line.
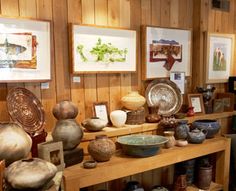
{"type": "Point", "coordinates": [135, 117]}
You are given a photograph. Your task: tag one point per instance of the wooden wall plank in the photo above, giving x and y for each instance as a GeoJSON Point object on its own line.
{"type": "Point", "coordinates": [146, 11]}
{"type": "Point", "coordinates": [115, 79]}
{"type": "Point", "coordinates": [165, 13]}
{"type": "Point", "coordinates": [27, 8]}
{"type": "Point", "coordinates": [44, 11]}
{"type": "Point", "coordinates": [61, 50]}
{"type": "Point", "coordinates": [90, 80]}
{"type": "Point", "coordinates": [10, 8]}
{"type": "Point", "coordinates": [156, 12]}
{"type": "Point", "coordinates": [175, 14]}
{"type": "Point", "coordinates": [101, 18]}
{"type": "Point", "coordinates": [77, 88]}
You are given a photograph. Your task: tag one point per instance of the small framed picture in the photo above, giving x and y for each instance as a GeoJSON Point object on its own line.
{"type": "Point", "coordinates": [52, 152]}
{"type": "Point", "coordinates": [228, 100]}
{"type": "Point", "coordinates": [196, 101]}
{"type": "Point", "coordinates": [218, 106]}
{"type": "Point", "coordinates": [100, 109]}
{"type": "Point", "coordinates": [179, 79]}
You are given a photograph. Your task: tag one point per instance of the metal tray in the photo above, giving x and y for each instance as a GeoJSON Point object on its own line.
{"type": "Point", "coordinates": [166, 95]}
{"type": "Point", "coordinates": [25, 109]}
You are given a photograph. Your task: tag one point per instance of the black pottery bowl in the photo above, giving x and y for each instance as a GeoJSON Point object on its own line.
{"type": "Point", "coordinates": [141, 145]}
{"type": "Point", "coordinates": [211, 126]}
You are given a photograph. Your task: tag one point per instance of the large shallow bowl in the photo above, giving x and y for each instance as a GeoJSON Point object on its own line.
{"type": "Point", "coordinates": [141, 145]}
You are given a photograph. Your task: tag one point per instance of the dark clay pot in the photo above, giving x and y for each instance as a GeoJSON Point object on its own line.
{"type": "Point", "coordinates": [69, 132]}
{"type": "Point", "coordinates": [204, 177]}
{"type": "Point", "coordinates": [102, 148]}
{"type": "Point", "coordinates": [15, 143]}
{"type": "Point", "coordinates": [65, 110]}
{"type": "Point", "coordinates": [211, 126]}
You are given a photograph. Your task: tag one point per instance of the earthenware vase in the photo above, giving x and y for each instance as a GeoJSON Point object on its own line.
{"type": "Point", "coordinates": [94, 124]}
{"type": "Point", "coordinates": [133, 100]}
{"type": "Point", "coordinates": [69, 132]}
{"type": "Point", "coordinates": [118, 118]}
{"type": "Point", "coordinates": [204, 177]}
{"type": "Point", "coordinates": [30, 174]}
{"type": "Point", "coordinates": [182, 129]}
{"type": "Point", "coordinates": [15, 143]}
{"type": "Point", "coordinates": [102, 148]}
{"type": "Point", "coordinates": [171, 139]}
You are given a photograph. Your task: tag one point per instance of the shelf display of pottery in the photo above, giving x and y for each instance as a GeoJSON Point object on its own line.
{"type": "Point", "coordinates": [68, 131]}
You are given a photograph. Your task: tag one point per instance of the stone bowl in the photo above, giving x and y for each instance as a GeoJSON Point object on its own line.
{"type": "Point", "coordinates": [141, 145]}
{"type": "Point", "coordinates": [211, 126]}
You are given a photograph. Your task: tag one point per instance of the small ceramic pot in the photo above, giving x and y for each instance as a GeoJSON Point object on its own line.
{"type": "Point", "coordinates": [197, 136]}
{"type": "Point", "coordinates": [15, 143]}
{"type": "Point", "coordinates": [118, 118]}
{"type": "Point", "coordinates": [182, 129]}
{"type": "Point", "coordinates": [30, 174]}
{"type": "Point", "coordinates": [102, 148]}
{"type": "Point", "coordinates": [65, 110]}
{"type": "Point", "coordinates": [181, 143]}
{"type": "Point", "coordinates": [94, 124]}
{"type": "Point", "coordinates": [69, 132]}
{"type": "Point", "coordinates": [204, 177]}
{"type": "Point", "coordinates": [133, 100]}
{"type": "Point", "coordinates": [171, 139]}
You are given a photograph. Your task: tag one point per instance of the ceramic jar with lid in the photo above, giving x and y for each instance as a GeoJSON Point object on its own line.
{"type": "Point", "coordinates": [102, 148]}
{"type": "Point", "coordinates": [133, 100]}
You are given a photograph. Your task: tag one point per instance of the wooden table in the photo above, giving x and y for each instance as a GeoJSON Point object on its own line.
{"type": "Point", "coordinates": [76, 177]}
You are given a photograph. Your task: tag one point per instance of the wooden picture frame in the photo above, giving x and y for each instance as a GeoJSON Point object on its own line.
{"type": "Point", "coordinates": [97, 49]}
{"type": "Point", "coordinates": [165, 50]}
{"type": "Point", "coordinates": [52, 152]}
{"type": "Point", "coordinates": [100, 109]}
{"type": "Point", "coordinates": [219, 57]}
{"type": "Point", "coordinates": [2, 169]}
{"type": "Point", "coordinates": [196, 101]}
{"type": "Point", "coordinates": [218, 105]}
{"type": "Point", "coordinates": [228, 100]}
{"type": "Point", "coordinates": [25, 55]}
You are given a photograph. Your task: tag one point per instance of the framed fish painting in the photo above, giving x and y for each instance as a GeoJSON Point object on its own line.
{"type": "Point", "coordinates": [97, 49]}
{"type": "Point", "coordinates": [25, 51]}
{"type": "Point", "coordinates": [165, 50]}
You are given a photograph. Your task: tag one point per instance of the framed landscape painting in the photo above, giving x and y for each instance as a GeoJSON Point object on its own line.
{"type": "Point", "coordinates": [25, 52]}
{"type": "Point", "coordinates": [165, 50]}
{"type": "Point", "coordinates": [219, 60]}
{"type": "Point", "coordinates": [102, 50]}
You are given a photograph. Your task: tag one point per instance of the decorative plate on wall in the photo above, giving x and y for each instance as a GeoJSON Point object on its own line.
{"type": "Point", "coordinates": [26, 110]}
{"type": "Point", "coordinates": [166, 95]}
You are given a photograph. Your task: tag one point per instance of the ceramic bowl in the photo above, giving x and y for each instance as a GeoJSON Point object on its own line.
{"type": "Point", "coordinates": [118, 118]}
{"type": "Point", "coordinates": [141, 145]}
{"type": "Point", "coordinates": [211, 126]}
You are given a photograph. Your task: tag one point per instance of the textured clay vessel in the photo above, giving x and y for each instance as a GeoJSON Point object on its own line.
{"type": "Point", "coordinates": [69, 132]}
{"type": "Point", "coordinates": [102, 148]}
{"type": "Point", "coordinates": [65, 110]}
{"type": "Point", "coordinates": [30, 174]}
{"type": "Point", "coordinates": [133, 100]}
{"type": "Point", "coordinates": [15, 143]}
{"type": "Point", "coordinates": [94, 124]}
{"type": "Point", "coordinates": [171, 139]}
{"type": "Point", "coordinates": [118, 118]}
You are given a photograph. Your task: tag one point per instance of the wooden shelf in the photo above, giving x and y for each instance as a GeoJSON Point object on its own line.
{"type": "Point", "coordinates": [76, 177]}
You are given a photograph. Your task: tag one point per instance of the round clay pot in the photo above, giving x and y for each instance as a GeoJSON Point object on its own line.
{"type": "Point", "coordinates": [118, 118]}
{"type": "Point", "coordinates": [30, 174]}
{"type": "Point", "coordinates": [204, 177]}
{"type": "Point", "coordinates": [171, 139]}
{"type": "Point", "coordinates": [182, 129]}
{"type": "Point", "coordinates": [69, 132]}
{"type": "Point", "coordinates": [133, 100]}
{"type": "Point", "coordinates": [15, 143]}
{"type": "Point", "coordinates": [102, 148]}
{"type": "Point", "coordinates": [65, 110]}
{"type": "Point", "coordinates": [94, 124]}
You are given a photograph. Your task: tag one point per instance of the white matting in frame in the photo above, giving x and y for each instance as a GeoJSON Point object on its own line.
{"type": "Point", "coordinates": [25, 52]}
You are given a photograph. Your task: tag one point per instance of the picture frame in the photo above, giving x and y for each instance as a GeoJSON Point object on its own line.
{"type": "Point", "coordinates": [218, 105]}
{"type": "Point", "coordinates": [100, 109]}
{"type": "Point", "coordinates": [228, 100]}
{"type": "Point", "coordinates": [179, 79]}
{"type": "Point", "coordinates": [219, 57]}
{"type": "Point", "coordinates": [232, 84]}
{"type": "Point", "coordinates": [98, 49]}
{"type": "Point", "coordinates": [25, 50]}
{"type": "Point", "coordinates": [2, 170]}
{"type": "Point", "coordinates": [196, 101]}
{"type": "Point", "coordinates": [165, 50]}
{"type": "Point", "coordinates": [52, 152]}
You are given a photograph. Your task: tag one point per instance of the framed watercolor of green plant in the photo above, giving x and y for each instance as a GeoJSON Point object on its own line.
{"type": "Point", "coordinates": [102, 49]}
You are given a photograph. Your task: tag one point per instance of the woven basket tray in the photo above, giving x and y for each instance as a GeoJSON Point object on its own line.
{"type": "Point", "coordinates": [135, 117]}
